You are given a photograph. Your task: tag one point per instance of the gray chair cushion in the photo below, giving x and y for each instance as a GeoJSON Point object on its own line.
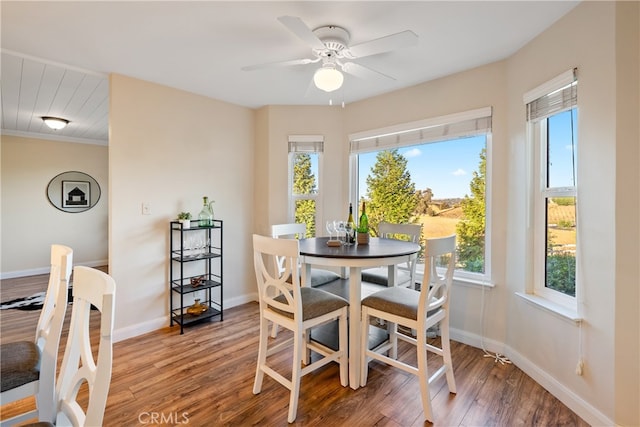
{"type": "Point", "coordinates": [19, 364]}
{"type": "Point", "coordinates": [399, 301]}
{"type": "Point", "coordinates": [379, 276]}
{"type": "Point", "coordinates": [321, 277]}
{"type": "Point", "coordinates": [315, 303]}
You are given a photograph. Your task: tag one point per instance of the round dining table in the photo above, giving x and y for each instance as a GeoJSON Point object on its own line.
{"type": "Point", "coordinates": [378, 252]}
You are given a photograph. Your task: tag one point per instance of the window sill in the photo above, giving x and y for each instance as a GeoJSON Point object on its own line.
{"type": "Point", "coordinates": [464, 281]}
{"type": "Point", "coordinates": [554, 308]}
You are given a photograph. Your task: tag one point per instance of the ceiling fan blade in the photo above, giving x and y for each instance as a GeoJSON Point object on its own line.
{"type": "Point", "coordinates": [383, 44]}
{"type": "Point", "coordinates": [362, 71]}
{"type": "Point", "coordinates": [300, 29]}
{"type": "Point", "coordinates": [303, 61]}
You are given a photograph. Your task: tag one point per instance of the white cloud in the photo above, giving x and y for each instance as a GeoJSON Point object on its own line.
{"type": "Point", "coordinates": [459, 172]}
{"type": "Point", "coordinates": [414, 152]}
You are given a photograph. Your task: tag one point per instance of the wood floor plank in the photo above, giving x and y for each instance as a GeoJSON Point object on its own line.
{"type": "Point", "coordinates": [205, 378]}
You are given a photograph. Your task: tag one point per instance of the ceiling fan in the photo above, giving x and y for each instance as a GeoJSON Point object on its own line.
{"type": "Point", "coordinates": [330, 45]}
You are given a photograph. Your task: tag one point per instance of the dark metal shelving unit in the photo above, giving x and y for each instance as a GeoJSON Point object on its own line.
{"type": "Point", "coordinates": [206, 264]}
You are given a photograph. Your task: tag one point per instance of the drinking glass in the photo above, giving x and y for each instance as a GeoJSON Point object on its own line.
{"type": "Point", "coordinates": [330, 229]}
{"type": "Point", "coordinates": [340, 229]}
{"type": "Point", "coordinates": [349, 234]}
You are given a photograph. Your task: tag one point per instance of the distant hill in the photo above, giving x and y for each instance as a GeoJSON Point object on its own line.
{"type": "Point", "coordinates": [446, 208]}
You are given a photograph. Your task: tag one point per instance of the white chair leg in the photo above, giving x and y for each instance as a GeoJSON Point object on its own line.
{"type": "Point", "coordinates": [306, 353]}
{"type": "Point", "coordinates": [274, 330]}
{"type": "Point", "coordinates": [342, 346]}
{"type": "Point", "coordinates": [262, 355]}
{"type": "Point", "coordinates": [393, 339]}
{"type": "Point", "coordinates": [364, 346]}
{"type": "Point", "coordinates": [298, 348]}
{"type": "Point", "coordinates": [423, 376]}
{"type": "Point", "coordinates": [446, 357]}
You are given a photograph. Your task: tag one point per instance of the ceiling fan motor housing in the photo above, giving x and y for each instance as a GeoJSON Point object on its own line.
{"type": "Point", "coordinates": [334, 38]}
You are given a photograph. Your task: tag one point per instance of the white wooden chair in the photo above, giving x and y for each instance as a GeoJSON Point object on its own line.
{"type": "Point", "coordinates": [418, 310]}
{"type": "Point", "coordinates": [286, 303]}
{"type": "Point", "coordinates": [406, 271]}
{"type": "Point", "coordinates": [90, 287]}
{"type": "Point", "coordinates": [298, 231]}
{"type": "Point", "coordinates": [28, 368]}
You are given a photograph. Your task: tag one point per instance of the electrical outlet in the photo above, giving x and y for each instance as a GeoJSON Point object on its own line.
{"type": "Point", "coordinates": [146, 209]}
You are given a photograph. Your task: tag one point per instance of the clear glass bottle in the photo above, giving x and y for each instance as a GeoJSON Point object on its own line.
{"type": "Point", "coordinates": [351, 227]}
{"type": "Point", "coordinates": [205, 217]}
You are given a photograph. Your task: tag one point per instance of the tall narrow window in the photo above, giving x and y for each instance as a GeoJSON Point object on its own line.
{"type": "Point", "coordinates": [552, 116]}
{"type": "Point", "coordinates": [433, 172]}
{"type": "Point", "coordinates": [304, 157]}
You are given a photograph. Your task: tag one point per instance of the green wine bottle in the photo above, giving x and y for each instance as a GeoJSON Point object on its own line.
{"type": "Point", "coordinates": [363, 224]}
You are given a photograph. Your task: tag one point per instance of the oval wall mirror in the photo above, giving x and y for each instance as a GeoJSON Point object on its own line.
{"type": "Point", "coordinates": [73, 192]}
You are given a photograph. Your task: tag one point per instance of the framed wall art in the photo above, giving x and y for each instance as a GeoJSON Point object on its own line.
{"type": "Point", "coordinates": [76, 194]}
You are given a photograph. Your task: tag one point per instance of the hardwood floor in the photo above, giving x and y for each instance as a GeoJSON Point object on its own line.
{"type": "Point", "coordinates": [205, 378]}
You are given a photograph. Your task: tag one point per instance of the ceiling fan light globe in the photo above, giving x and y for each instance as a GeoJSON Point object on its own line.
{"type": "Point", "coordinates": [328, 79]}
{"type": "Point", "coordinates": [55, 123]}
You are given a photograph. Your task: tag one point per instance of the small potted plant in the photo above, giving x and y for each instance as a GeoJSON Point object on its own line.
{"type": "Point", "coordinates": [185, 219]}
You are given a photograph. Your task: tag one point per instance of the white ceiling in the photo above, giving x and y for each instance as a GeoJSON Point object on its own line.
{"type": "Point", "coordinates": [56, 55]}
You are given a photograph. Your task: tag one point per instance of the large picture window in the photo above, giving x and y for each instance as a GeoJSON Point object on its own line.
{"type": "Point", "coordinates": [304, 158]}
{"type": "Point", "coordinates": [552, 116]}
{"type": "Point", "coordinates": [432, 172]}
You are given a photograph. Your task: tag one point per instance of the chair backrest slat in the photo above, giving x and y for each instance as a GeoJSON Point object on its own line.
{"type": "Point", "coordinates": [408, 232]}
{"type": "Point", "coordinates": [291, 231]}
{"type": "Point", "coordinates": [57, 289]}
{"type": "Point", "coordinates": [274, 280]}
{"type": "Point", "coordinates": [90, 287]}
{"type": "Point", "coordinates": [436, 288]}
{"type": "Point", "coordinates": [49, 329]}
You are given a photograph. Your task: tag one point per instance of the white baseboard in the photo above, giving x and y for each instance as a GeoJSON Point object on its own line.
{"type": "Point", "coordinates": [133, 331]}
{"type": "Point", "coordinates": [574, 402]}
{"type": "Point", "coordinates": [45, 270]}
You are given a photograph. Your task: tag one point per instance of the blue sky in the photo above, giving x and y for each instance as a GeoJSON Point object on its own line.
{"type": "Point", "coordinates": [560, 150]}
{"type": "Point", "coordinates": [445, 167]}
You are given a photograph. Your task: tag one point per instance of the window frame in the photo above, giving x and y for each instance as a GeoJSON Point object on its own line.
{"type": "Point", "coordinates": [382, 139]}
{"type": "Point", "coordinates": [540, 192]}
{"type": "Point", "coordinates": [304, 144]}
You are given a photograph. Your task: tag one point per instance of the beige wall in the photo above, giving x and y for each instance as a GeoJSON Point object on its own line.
{"type": "Point", "coordinates": [627, 300]}
{"type": "Point", "coordinates": [30, 224]}
{"type": "Point", "coordinates": [277, 123]}
{"type": "Point", "coordinates": [169, 148]}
